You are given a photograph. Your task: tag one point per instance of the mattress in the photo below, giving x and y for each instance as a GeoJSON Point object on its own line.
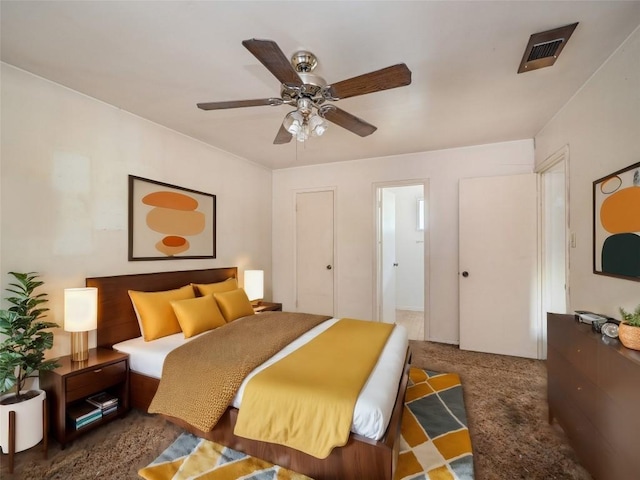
{"type": "Point", "coordinates": [373, 408]}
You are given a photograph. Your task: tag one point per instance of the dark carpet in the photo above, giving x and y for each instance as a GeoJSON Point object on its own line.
{"type": "Point", "coordinates": [506, 410]}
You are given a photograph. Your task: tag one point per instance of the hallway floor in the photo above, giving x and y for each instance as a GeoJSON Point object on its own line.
{"type": "Point", "coordinates": [413, 322]}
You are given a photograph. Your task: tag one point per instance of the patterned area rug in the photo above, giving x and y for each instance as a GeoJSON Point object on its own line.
{"type": "Point", "coordinates": [435, 439]}
{"type": "Point", "coordinates": [435, 442]}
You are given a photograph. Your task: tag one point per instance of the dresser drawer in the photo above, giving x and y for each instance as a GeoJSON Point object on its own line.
{"type": "Point", "coordinates": [592, 449]}
{"type": "Point", "coordinates": [86, 383]}
{"type": "Point", "coordinates": [577, 388]}
{"type": "Point", "coordinates": [576, 343]}
{"type": "Point", "coordinates": [619, 377]}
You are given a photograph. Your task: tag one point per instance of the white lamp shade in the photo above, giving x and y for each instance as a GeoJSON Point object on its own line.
{"type": "Point", "coordinates": [254, 284]}
{"type": "Point", "coordinates": [80, 309]}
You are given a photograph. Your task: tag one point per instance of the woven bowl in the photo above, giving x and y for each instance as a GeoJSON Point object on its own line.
{"type": "Point", "coordinates": [629, 336]}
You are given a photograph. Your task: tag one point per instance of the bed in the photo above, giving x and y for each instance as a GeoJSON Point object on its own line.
{"type": "Point", "coordinates": [360, 458]}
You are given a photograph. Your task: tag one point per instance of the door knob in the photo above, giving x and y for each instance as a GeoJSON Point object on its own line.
{"type": "Point", "coordinates": [395, 264]}
{"type": "Point", "coordinates": [328, 267]}
{"type": "Point", "coordinates": [465, 274]}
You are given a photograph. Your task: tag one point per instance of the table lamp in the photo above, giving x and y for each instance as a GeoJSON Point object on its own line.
{"type": "Point", "coordinates": [254, 285]}
{"type": "Point", "coordinates": [80, 316]}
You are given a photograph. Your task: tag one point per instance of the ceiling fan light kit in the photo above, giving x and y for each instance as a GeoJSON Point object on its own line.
{"type": "Point", "coordinates": [309, 92]}
{"type": "Point", "coordinates": [303, 123]}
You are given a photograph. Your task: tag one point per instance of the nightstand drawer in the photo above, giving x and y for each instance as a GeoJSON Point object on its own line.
{"type": "Point", "coordinates": [86, 383]}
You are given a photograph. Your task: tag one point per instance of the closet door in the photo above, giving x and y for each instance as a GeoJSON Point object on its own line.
{"type": "Point", "coordinates": [498, 274]}
{"type": "Point", "coordinates": [314, 252]}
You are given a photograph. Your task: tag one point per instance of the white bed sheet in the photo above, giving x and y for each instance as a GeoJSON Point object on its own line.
{"type": "Point", "coordinates": [373, 407]}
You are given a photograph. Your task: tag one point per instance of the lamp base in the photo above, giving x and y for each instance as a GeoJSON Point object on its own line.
{"type": "Point", "coordinates": [79, 346]}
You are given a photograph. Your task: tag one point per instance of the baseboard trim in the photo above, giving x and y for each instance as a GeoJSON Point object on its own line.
{"type": "Point", "coordinates": [448, 342]}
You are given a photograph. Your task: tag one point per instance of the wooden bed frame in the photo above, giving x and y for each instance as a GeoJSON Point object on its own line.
{"type": "Point", "coordinates": [360, 458]}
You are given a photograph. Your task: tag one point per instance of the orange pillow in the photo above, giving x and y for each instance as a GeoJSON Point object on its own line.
{"type": "Point", "coordinates": [218, 287]}
{"type": "Point", "coordinates": [197, 315]}
{"type": "Point", "coordinates": [155, 314]}
{"type": "Point", "coordinates": [234, 304]}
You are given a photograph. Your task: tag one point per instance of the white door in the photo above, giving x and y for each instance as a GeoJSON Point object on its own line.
{"type": "Point", "coordinates": [498, 265]}
{"type": "Point", "coordinates": [314, 255]}
{"type": "Point", "coordinates": [388, 254]}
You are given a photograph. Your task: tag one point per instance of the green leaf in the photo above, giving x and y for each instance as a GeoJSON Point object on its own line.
{"type": "Point", "coordinates": [25, 336]}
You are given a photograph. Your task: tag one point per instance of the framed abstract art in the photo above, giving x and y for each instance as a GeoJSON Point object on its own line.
{"type": "Point", "coordinates": [616, 224]}
{"type": "Point", "coordinates": [168, 222]}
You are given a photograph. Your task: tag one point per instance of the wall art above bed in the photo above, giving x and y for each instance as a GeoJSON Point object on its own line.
{"type": "Point", "coordinates": [616, 224]}
{"type": "Point", "coordinates": [168, 222]}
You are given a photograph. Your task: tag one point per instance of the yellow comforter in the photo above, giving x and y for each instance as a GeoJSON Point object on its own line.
{"type": "Point", "coordinates": [200, 379]}
{"type": "Point", "coordinates": [306, 400]}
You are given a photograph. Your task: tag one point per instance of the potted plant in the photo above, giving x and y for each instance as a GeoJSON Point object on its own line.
{"type": "Point", "coordinates": [25, 338]}
{"type": "Point", "coordinates": [629, 329]}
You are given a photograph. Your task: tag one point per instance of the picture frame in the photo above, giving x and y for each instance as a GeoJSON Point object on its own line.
{"type": "Point", "coordinates": [616, 224]}
{"type": "Point", "coordinates": [167, 222]}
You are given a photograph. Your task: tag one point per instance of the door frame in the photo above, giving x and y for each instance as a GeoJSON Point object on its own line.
{"type": "Point", "coordinates": [376, 192]}
{"type": "Point", "coordinates": [387, 246]}
{"type": "Point", "coordinates": [561, 155]}
{"type": "Point", "coordinates": [295, 193]}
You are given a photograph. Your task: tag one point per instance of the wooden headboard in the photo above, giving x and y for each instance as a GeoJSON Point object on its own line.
{"type": "Point", "coordinates": [116, 318]}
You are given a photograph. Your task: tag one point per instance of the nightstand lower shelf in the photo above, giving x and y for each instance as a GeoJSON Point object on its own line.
{"type": "Point", "coordinates": [69, 385]}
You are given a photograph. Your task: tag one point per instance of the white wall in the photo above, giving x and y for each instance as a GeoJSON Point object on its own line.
{"type": "Point", "coordinates": [71, 223]}
{"type": "Point", "coordinates": [355, 225]}
{"type": "Point", "coordinates": [601, 126]}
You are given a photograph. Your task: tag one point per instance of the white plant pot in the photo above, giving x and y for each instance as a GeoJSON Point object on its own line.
{"type": "Point", "coordinates": [28, 422]}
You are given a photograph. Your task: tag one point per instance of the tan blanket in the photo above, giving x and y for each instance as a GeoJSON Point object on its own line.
{"type": "Point", "coordinates": [200, 379]}
{"type": "Point", "coordinates": [306, 400]}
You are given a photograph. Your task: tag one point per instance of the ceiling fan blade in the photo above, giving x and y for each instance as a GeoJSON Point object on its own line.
{"type": "Point", "coordinates": [384, 79]}
{"type": "Point", "coordinates": [270, 55]}
{"type": "Point", "coordinates": [348, 121]}
{"type": "Point", "coordinates": [240, 103]}
{"type": "Point", "coordinates": [283, 136]}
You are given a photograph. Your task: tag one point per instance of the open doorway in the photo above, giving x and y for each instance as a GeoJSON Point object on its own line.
{"type": "Point", "coordinates": [554, 241]}
{"type": "Point", "coordinates": [400, 260]}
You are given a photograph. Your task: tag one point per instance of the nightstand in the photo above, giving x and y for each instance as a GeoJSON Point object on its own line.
{"type": "Point", "coordinates": [267, 307]}
{"type": "Point", "coordinates": [71, 383]}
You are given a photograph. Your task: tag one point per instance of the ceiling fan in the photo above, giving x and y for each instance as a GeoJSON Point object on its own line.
{"type": "Point", "coordinates": [309, 93]}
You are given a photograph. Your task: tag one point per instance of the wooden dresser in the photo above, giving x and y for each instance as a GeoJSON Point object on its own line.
{"type": "Point", "coordinates": [594, 394]}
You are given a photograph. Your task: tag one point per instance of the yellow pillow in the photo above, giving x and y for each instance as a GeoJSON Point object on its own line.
{"type": "Point", "coordinates": [197, 315]}
{"type": "Point", "coordinates": [234, 304]}
{"type": "Point", "coordinates": [154, 311]}
{"type": "Point", "coordinates": [218, 287]}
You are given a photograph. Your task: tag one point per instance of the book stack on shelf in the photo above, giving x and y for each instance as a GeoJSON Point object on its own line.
{"type": "Point", "coordinates": [106, 402]}
{"type": "Point", "coordinates": [83, 414]}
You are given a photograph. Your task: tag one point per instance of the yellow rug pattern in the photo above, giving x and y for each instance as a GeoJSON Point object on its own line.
{"type": "Point", "coordinates": [190, 457]}
{"type": "Point", "coordinates": [435, 443]}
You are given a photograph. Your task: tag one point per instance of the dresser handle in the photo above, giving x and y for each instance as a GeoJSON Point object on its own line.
{"type": "Point", "coordinates": [579, 388]}
{"type": "Point", "coordinates": [97, 371]}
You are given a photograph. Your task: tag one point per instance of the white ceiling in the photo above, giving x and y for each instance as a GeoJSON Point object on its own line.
{"type": "Point", "coordinates": [158, 59]}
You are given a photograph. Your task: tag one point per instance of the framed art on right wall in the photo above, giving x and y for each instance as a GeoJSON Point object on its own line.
{"type": "Point", "coordinates": [616, 224]}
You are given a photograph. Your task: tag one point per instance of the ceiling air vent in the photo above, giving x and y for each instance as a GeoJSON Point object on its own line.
{"type": "Point", "coordinates": [544, 48]}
